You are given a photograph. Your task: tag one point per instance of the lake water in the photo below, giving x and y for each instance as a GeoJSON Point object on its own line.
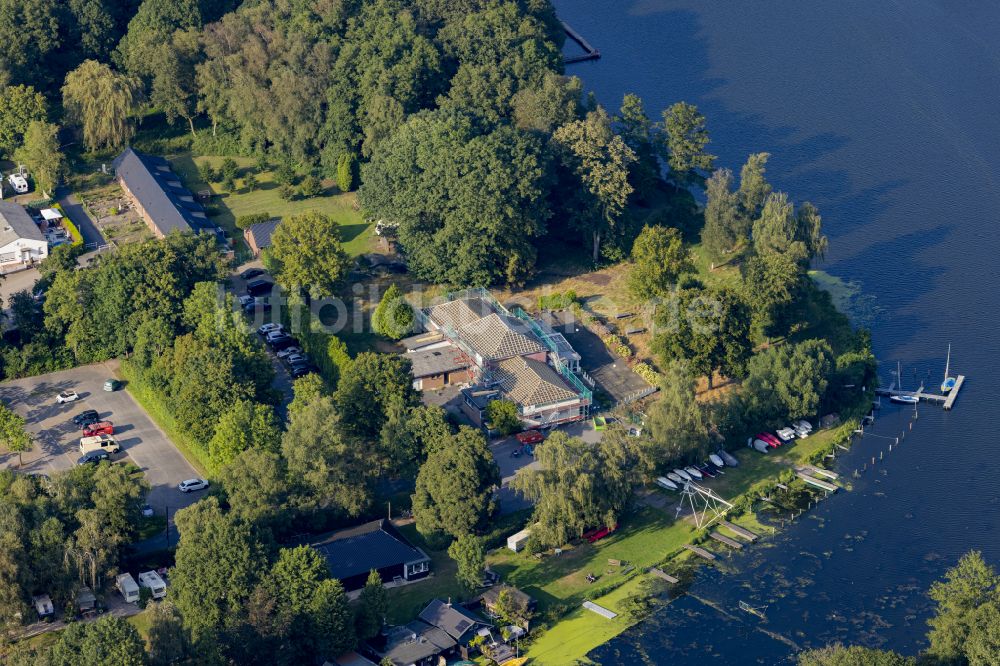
{"type": "Point", "coordinates": [885, 115]}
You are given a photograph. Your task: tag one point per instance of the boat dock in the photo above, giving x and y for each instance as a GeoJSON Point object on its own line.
{"type": "Point", "coordinates": [722, 538]}
{"type": "Point", "coordinates": [818, 471]}
{"type": "Point", "coordinates": [947, 401]}
{"type": "Point", "coordinates": [664, 575]}
{"type": "Point", "coordinates": [590, 52]}
{"type": "Point", "coordinates": [739, 531]}
{"type": "Point", "coordinates": [701, 552]}
{"type": "Point", "coordinates": [813, 481]}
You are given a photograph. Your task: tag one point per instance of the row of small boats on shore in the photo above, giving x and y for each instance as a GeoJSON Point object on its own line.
{"type": "Point", "coordinates": [709, 469]}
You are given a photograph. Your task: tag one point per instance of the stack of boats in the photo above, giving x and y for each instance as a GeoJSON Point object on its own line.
{"type": "Point", "coordinates": [709, 469]}
{"type": "Point", "coordinates": [765, 441]}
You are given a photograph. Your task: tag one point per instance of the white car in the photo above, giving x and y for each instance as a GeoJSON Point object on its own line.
{"type": "Point", "coordinates": [67, 396]}
{"type": "Point", "coordinates": [296, 358]}
{"type": "Point", "coordinates": [270, 328]}
{"type": "Point", "coordinates": [191, 485]}
{"type": "Point", "coordinates": [289, 351]}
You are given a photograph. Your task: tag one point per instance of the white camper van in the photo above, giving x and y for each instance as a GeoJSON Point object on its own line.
{"type": "Point", "coordinates": [127, 586]}
{"type": "Point", "coordinates": [99, 443]}
{"type": "Point", "coordinates": [152, 580]}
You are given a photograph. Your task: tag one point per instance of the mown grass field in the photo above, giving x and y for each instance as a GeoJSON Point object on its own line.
{"type": "Point", "coordinates": [342, 207]}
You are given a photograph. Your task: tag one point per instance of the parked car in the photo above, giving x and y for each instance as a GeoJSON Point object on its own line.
{"type": "Point", "coordinates": [94, 457]}
{"type": "Point", "coordinates": [257, 305]}
{"type": "Point", "coordinates": [251, 273]}
{"type": "Point", "coordinates": [278, 337]}
{"type": "Point", "coordinates": [86, 417]}
{"type": "Point", "coordinates": [99, 428]}
{"type": "Point", "coordinates": [191, 485]}
{"type": "Point", "coordinates": [245, 300]}
{"type": "Point", "coordinates": [147, 511]}
{"type": "Point", "coordinates": [286, 342]}
{"type": "Point", "coordinates": [530, 437]}
{"type": "Point", "coordinates": [288, 351]}
{"type": "Point", "coordinates": [268, 328]}
{"type": "Point", "coordinates": [259, 287]}
{"type": "Point", "coordinates": [99, 443]}
{"type": "Point", "coordinates": [302, 371]}
{"type": "Point", "coordinates": [297, 359]}
{"type": "Point", "coordinates": [67, 396]}
{"type": "Point", "coordinates": [112, 385]}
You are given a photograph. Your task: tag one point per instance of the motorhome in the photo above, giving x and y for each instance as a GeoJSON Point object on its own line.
{"type": "Point", "coordinates": [128, 587]}
{"type": "Point", "coordinates": [152, 580]}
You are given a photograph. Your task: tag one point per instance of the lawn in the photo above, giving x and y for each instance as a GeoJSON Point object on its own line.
{"type": "Point", "coordinates": [342, 207]}
{"type": "Point", "coordinates": [406, 602]}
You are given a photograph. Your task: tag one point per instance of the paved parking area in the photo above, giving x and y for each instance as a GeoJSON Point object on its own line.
{"type": "Point", "coordinates": [57, 438]}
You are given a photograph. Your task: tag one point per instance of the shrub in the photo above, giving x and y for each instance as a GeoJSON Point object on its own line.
{"type": "Point", "coordinates": [311, 187]}
{"type": "Point", "coordinates": [284, 173]}
{"type": "Point", "coordinates": [286, 192]}
{"type": "Point", "coordinates": [228, 169]}
{"type": "Point", "coordinates": [247, 221]}
{"type": "Point", "coordinates": [393, 317]}
{"type": "Point", "coordinates": [558, 300]}
{"type": "Point", "coordinates": [229, 184]}
{"type": "Point", "coordinates": [612, 341]}
{"type": "Point", "coordinates": [502, 416]}
{"type": "Point", "coordinates": [207, 173]}
{"type": "Point", "coordinates": [646, 371]}
{"type": "Point", "coordinates": [250, 181]}
{"type": "Point", "coordinates": [345, 172]}
{"type": "Point", "coordinates": [624, 351]}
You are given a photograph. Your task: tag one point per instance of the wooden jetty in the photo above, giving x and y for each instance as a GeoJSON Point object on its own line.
{"type": "Point", "coordinates": [819, 471]}
{"type": "Point", "coordinates": [739, 531]}
{"type": "Point", "coordinates": [701, 552]}
{"type": "Point", "coordinates": [813, 481]}
{"type": "Point", "coordinates": [722, 538]}
{"type": "Point", "coordinates": [590, 52]}
{"type": "Point", "coordinates": [947, 401]}
{"type": "Point", "coordinates": [664, 575]}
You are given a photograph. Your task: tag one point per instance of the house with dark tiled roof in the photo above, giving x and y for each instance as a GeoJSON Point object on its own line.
{"type": "Point", "coordinates": [499, 354]}
{"type": "Point", "coordinates": [258, 236]}
{"type": "Point", "coordinates": [159, 196]}
{"type": "Point", "coordinates": [455, 621]}
{"type": "Point", "coordinates": [352, 553]}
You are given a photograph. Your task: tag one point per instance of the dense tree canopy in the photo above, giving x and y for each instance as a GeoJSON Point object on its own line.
{"type": "Point", "coordinates": [788, 381]}
{"type": "Point", "coordinates": [101, 101]}
{"type": "Point", "coordinates": [307, 254]}
{"type": "Point", "coordinates": [19, 106]}
{"type": "Point", "coordinates": [658, 259]}
{"type": "Point", "coordinates": [454, 493]}
{"type": "Point", "coordinates": [469, 204]}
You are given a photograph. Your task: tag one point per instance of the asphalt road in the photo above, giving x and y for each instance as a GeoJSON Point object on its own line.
{"type": "Point", "coordinates": [74, 210]}
{"type": "Point", "coordinates": [57, 439]}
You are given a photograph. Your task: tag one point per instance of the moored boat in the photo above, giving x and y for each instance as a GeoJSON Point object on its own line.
{"type": "Point", "coordinates": [729, 458]}
{"type": "Point", "coordinates": [683, 474]}
{"type": "Point", "coordinates": [693, 472]}
{"type": "Point", "coordinates": [675, 478]}
{"type": "Point", "coordinates": [664, 482]}
{"type": "Point", "coordinates": [716, 460]}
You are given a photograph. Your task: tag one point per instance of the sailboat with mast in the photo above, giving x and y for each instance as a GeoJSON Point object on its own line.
{"type": "Point", "coordinates": [949, 382]}
{"type": "Point", "coordinates": [902, 398]}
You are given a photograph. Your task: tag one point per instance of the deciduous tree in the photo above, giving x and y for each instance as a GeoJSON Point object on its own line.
{"type": "Point", "coordinates": [502, 416]}
{"type": "Point", "coordinates": [454, 492]}
{"type": "Point", "coordinates": [19, 107]}
{"type": "Point", "coordinates": [725, 225]}
{"type": "Point", "coordinates": [754, 188]}
{"type": "Point", "coordinates": [393, 317]}
{"type": "Point", "coordinates": [658, 259]}
{"type": "Point", "coordinates": [307, 252]}
{"type": "Point", "coordinates": [13, 435]}
{"type": "Point", "coordinates": [373, 604]}
{"type": "Point", "coordinates": [245, 425]}
{"type": "Point", "coordinates": [969, 585]}
{"type": "Point", "coordinates": [686, 140]}
{"type": "Point", "coordinates": [600, 160]}
{"type": "Point", "coordinates": [41, 154]}
{"type": "Point", "coordinates": [678, 433]}
{"type": "Point", "coordinates": [469, 553]}
{"type": "Point", "coordinates": [788, 381]}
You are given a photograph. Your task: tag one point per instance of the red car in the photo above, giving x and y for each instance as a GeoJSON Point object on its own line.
{"type": "Point", "coordinates": [99, 428]}
{"type": "Point", "coordinates": [530, 437]}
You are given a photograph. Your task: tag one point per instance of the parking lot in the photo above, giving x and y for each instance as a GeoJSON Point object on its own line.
{"type": "Point", "coordinates": [57, 438]}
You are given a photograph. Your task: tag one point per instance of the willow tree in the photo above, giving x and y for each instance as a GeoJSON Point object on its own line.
{"type": "Point", "coordinates": [101, 102]}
